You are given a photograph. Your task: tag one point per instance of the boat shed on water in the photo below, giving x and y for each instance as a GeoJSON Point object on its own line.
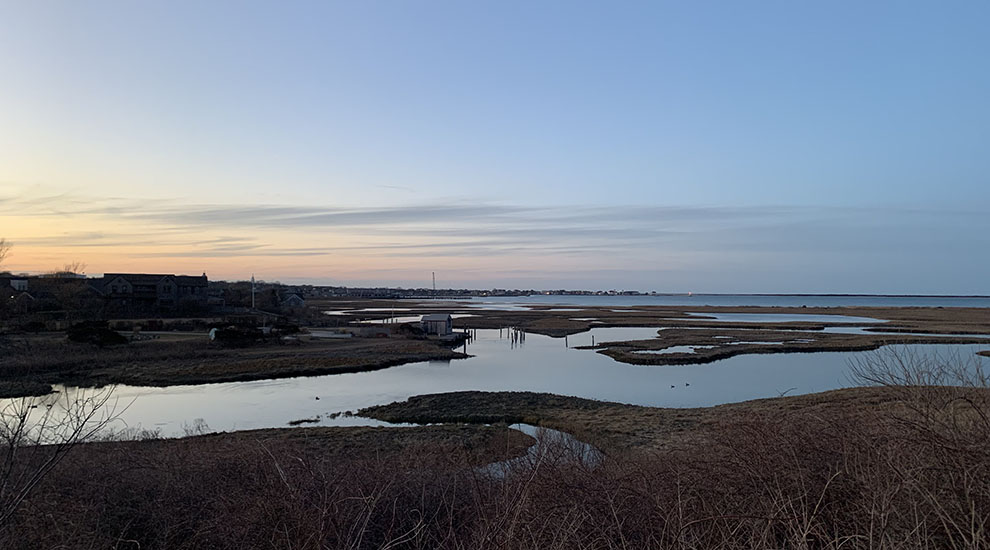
{"type": "Point", "coordinates": [441, 324]}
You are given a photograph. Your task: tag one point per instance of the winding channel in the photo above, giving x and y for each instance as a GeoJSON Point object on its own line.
{"type": "Point", "coordinates": [498, 363]}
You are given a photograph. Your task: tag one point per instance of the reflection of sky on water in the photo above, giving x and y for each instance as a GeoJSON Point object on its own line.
{"type": "Point", "coordinates": [784, 318]}
{"type": "Point", "coordinates": [732, 300]}
{"type": "Point", "coordinates": [539, 363]}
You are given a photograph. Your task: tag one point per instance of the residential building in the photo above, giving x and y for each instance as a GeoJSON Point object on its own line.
{"type": "Point", "coordinates": [153, 292]}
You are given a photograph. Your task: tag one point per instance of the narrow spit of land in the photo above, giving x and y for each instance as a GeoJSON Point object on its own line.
{"type": "Point", "coordinates": [707, 345]}
{"type": "Point", "coordinates": [32, 364]}
{"type": "Point", "coordinates": [619, 428]}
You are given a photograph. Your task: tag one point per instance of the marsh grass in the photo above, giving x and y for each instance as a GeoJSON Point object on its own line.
{"type": "Point", "coordinates": [31, 365]}
{"type": "Point", "coordinates": [903, 465]}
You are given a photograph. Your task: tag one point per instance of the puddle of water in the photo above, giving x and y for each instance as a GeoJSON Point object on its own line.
{"type": "Point", "coordinates": [611, 334]}
{"type": "Point", "coordinates": [392, 320]}
{"type": "Point", "coordinates": [493, 307]}
{"type": "Point", "coordinates": [783, 318]}
{"type": "Point", "coordinates": [409, 319]}
{"type": "Point", "coordinates": [694, 349]}
{"type": "Point", "coordinates": [672, 350]}
{"type": "Point", "coordinates": [864, 330]}
{"type": "Point", "coordinates": [328, 334]}
{"type": "Point", "coordinates": [551, 446]}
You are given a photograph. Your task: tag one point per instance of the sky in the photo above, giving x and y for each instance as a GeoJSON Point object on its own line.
{"type": "Point", "coordinates": [831, 147]}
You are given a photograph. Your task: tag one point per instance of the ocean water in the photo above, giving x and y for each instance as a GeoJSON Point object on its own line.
{"type": "Point", "coordinates": [728, 300]}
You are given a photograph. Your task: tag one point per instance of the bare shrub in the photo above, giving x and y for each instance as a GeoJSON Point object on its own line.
{"type": "Point", "coordinates": [902, 465]}
{"type": "Point", "coordinates": [943, 416]}
{"type": "Point", "coordinates": [37, 433]}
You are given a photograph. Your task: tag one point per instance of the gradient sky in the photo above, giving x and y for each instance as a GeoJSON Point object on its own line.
{"type": "Point", "coordinates": [692, 146]}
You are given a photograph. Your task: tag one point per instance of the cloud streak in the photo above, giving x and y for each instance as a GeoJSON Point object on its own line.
{"type": "Point", "coordinates": [743, 242]}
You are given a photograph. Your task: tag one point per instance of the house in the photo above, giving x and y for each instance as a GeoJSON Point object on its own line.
{"type": "Point", "coordinates": [153, 292]}
{"type": "Point", "coordinates": [441, 324]}
{"type": "Point", "coordinates": [293, 301]}
{"type": "Point", "coordinates": [19, 284]}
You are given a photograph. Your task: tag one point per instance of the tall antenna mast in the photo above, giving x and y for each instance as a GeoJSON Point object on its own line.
{"type": "Point", "coordinates": [252, 291]}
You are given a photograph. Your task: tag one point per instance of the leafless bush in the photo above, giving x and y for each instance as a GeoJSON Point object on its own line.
{"type": "Point", "coordinates": [906, 367]}
{"type": "Point", "coordinates": [943, 413]}
{"type": "Point", "coordinates": [36, 434]}
{"type": "Point", "coordinates": [944, 397]}
{"type": "Point", "coordinates": [5, 247]}
{"type": "Point", "coordinates": [896, 467]}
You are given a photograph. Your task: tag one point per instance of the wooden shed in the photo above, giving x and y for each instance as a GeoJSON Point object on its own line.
{"type": "Point", "coordinates": [441, 324]}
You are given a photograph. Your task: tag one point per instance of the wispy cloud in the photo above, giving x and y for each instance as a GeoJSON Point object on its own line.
{"type": "Point", "coordinates": [740, 242]}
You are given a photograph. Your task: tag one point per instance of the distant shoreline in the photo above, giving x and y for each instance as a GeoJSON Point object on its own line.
{"type": "Point", "coordinates": [821, 295]}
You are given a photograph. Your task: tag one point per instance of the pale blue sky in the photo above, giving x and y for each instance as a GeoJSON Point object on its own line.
{"type": "Point", "coordinates": [764, 146]}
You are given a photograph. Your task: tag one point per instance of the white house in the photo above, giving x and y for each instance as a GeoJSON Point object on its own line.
{"type": "Point", "coordinates": [440, 324]}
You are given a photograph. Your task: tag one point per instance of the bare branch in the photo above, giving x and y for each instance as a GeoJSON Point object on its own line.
{"type": "Point", "coordinates": [37, 432]}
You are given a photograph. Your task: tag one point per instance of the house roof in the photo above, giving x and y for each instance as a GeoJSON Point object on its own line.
{"type": "Point", "coordinates": [136, 278]}
{"type": "Point", "coordinates": [191, 280]}
{"type": "Point", "coordinates": [155, 278]}
{"type": "Point", "coordinates": [436, 317]}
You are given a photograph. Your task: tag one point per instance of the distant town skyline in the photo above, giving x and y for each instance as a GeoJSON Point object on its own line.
{"type": "Point", "coordinates": [759, 148]}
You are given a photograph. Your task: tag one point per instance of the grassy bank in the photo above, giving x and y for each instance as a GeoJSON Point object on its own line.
{"type": "Point", "coordinates": [866, 468]}
{"type": "Point", "coordinates": [291, 488]}
{"type": "Point", "coordinates": [891, 467]}
{"type": "Point", "coordinates": [717, 344]}
{"type": "Point", "coordinates": [619, 428]}
{"type": "Point", "coordinates": [574, 319]}
{"type": "Point", "coordinates": [30, 365]}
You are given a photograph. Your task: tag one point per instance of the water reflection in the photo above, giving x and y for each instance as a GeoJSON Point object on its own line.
{"type": "Point", "coordinates": [783, 318]}
{"type": "Point", "coordinates": [500, 362]}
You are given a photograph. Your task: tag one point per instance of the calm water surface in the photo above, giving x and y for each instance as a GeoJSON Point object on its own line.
{"type": "Point", "coordinates": [538, 363]}
{"type": "Point", "coordinates": [729, 300]}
